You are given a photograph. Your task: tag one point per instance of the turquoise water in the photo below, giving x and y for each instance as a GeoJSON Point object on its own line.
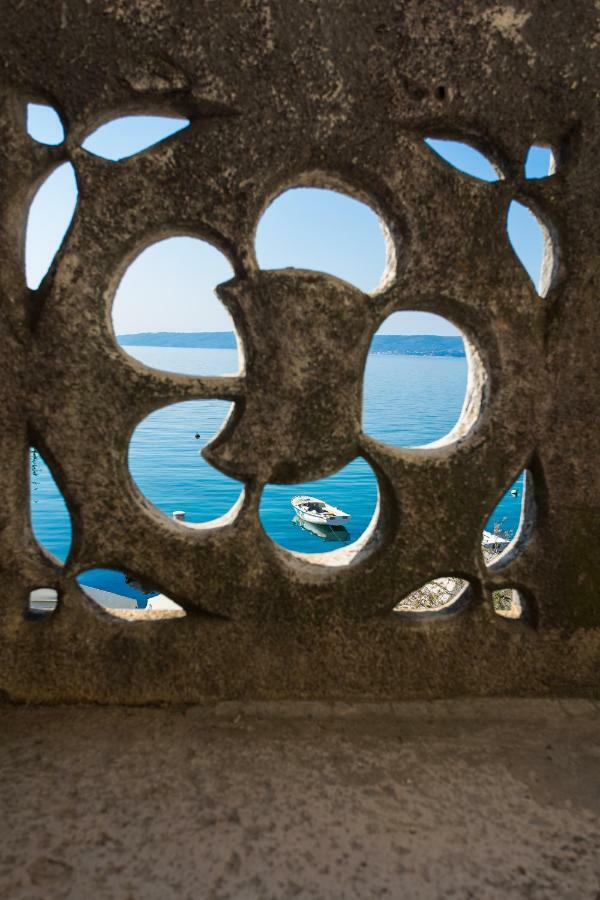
{"type": "Point", "coordinates": [407, 401]}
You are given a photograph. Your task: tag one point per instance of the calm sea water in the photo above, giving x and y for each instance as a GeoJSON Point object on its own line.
{"type": "Point", "coordinates": [407, 401]}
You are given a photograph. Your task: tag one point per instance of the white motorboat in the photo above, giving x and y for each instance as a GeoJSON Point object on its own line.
{"type": "Point", "coordinates": [317, 512]}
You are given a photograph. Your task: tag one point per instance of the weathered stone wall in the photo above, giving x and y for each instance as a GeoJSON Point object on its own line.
{"type": "Point", "coordinates": [342, 95]}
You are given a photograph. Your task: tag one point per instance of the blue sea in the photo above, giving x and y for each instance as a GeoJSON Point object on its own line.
{"type": "Point", "coordinates": [408, 401]}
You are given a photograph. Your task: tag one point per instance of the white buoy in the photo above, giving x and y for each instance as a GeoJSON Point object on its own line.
{"type": "Point", "coordinates": [179, 515]}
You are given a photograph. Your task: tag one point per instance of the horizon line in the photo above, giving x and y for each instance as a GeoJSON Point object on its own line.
{"type": "Point", "coordinates": [377, 334]}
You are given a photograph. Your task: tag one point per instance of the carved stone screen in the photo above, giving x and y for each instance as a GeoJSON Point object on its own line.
{"type": "Point", "coordinates": [339, 95]}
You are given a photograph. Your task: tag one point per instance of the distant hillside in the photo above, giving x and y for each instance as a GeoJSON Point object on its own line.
{"type": "Point", "coordinates": [418, 344]}
{"type": "Point", "coordinates": [212, 340]}
{"type": "Point", "coordinates": [405, 344]}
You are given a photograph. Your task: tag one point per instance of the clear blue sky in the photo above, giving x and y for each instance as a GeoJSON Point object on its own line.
{"type": "Point", "coordinates": [169, 287]}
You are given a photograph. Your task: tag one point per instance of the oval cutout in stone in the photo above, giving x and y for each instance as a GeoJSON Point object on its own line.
{"type": "Point", "coordinates": [326, 231]}
{"type": "Point", "coordinates": [465, 158]}
{"type": "Point", "coordinates": [44, 124]}
{"type": "Point", "coordinates": [165, 312]}
{"type": "Point", "coordinates": [129, 135]}
{"type": "Point", "coordinates": [166, 464]}
{"type": "Point", "coordinates": [352, 490]}
{"type": "Point", "coordinates": [415, 384]}
{"type": "Point", "coordinates": [50, 215]}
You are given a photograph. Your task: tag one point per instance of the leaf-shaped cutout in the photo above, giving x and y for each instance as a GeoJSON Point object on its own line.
{"type": "Point", "coordinates": [323, 230]}
{"type": "Point", "coordinates": [504, 522]}
{"type": "Point", "coordinates": [44, 124]}
{"type": "Point", "coordinates": [531, 242]}
{"type": "Point", "coordinates": [540, 162]}
{"type": "Point", "coordinates": [511, 523]}
{"type": "Point", "coordinates": [465, 158]}
{"type": "Point", "coordinates": [129, 135]}
{"type": "Point", "coordinates": [446, 593]}
{"type": "Point", "coordinates": [50, 519]}
{"type": "Point", "coordinates": [50, 215]}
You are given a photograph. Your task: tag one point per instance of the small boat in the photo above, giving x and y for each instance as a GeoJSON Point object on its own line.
{"type": "Point", "coordinates": [317, 512]}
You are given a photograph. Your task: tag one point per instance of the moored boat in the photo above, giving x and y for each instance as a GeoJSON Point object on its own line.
{"type": "Point", "coordinates": [318, 512]}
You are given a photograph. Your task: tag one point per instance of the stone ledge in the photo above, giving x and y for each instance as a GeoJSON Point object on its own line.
{"type": "Point", "coordinates": [488, 799]}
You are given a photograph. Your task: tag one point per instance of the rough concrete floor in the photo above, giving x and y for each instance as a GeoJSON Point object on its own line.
{"type": "Point", "coordinates": [481, 799]}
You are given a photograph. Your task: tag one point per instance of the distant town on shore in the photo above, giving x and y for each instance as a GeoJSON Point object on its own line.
{"type": "Point", "coordinates": [403, 344]}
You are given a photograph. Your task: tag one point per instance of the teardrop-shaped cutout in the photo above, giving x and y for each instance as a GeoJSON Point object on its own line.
{"type": "Point", "coordinates": [323, 230]}
{"type": "Point", "coordinates": [540, 162]}
{"type": "Point", "coordinates": [166, 314]}
{"type": "Point", "coordinates": [504, 521]}
{"type": "Point", "coordinates": [465, 158]}
{"type": "Point", "coordinates": [50, 215]}
{"type": "Point", "coordinates": [415, 383]}
{"type": "Point", "coordinates": [44, 124]}
{"type": "Point", "coordinates": [129, 135]}
{"type": "Point", "coordinates": [165, 462]}
{"type": "Point", "coordinates": [50, 519]}
{"type": "Point", "coordinates": [442, 594]}
{"type": "Point", "coordinates": [511, 524]}
{"type": "Point", "coordinates": [302, 517]}
{"type": "Point", "coordinates": [532, 244]}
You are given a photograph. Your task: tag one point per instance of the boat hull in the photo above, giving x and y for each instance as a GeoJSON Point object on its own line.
{"type": "Point", "coordinates": [330, 516]}
{"type": "Point", "coordinates": [337, 533]}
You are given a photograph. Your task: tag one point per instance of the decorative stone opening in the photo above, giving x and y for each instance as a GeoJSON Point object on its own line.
{"type": "Point", "coordinates": [540, 162]}
{"type": "Point", "coordinates": [129, 135]}
{"type": "Point", "coordinates": [415, 384]}
{"type": "Point", "coordinates": [466, 158]}
{"type": "Point", "coordinates": [512, 522]}
{"type": "Point", "coordinates": [44, 124]}
{"type": "Point", "coordinates": [50, 214]}
{"type": "Point", "coordinates": [42, 602]}
{"type": "Point", "coordinates": [448, 594]}
{"type": "Point", "coordinates": [167, 464]}
{"type": "Point", "coordinates": [531, 240]}
{"type": "Point", "coordinates": [49, 514]}
{"type": "Point", "coordinates": [509, 603]}
{"type": "Point", "coordinates": [166, 315]}
{"type": "Point", "coordinates": [353, 490]}
{"type": "Point", "coordinates": [326, 231]}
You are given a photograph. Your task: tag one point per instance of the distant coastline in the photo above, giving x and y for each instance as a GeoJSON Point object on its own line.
{"type": "Point", "coordinates": [402, 344]}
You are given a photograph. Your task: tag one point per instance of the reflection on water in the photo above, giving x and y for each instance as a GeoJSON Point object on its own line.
{"type": "Point", "coordinates": [326, 532]}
